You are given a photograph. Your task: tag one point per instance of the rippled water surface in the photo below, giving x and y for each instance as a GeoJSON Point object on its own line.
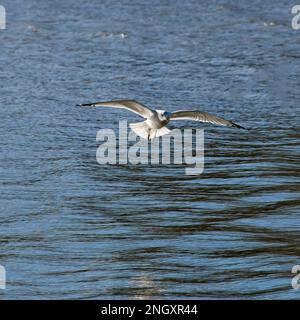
{"type": "Point", "coordinates": [71, 228]}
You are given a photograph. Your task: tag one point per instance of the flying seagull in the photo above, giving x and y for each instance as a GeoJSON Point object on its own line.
{"type": "Point", "coordinates": [156, 120]}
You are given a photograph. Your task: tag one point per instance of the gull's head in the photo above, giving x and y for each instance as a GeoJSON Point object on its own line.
{"type": "Point", "coordinates": [167, 115]}
{"type": "Point", "coordinates": [164, 115]}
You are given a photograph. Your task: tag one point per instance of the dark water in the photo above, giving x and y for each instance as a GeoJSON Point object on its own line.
{"type": "Point", "coordinates": [71, 228]}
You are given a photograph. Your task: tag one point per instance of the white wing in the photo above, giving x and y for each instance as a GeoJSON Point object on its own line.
{"type": "Point", "coordinates": [202, 117]}
{"type": "Point", "coordinates": [130, 105]}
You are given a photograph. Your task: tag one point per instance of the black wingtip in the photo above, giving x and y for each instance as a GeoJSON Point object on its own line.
{"type": "Point", "coordinates": [234, 125]}
{"type": "Point", "coordinates": [85, 105]}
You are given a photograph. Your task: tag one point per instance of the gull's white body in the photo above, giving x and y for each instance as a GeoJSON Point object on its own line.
{"type": "Point", "coordinates": [156, 120]}
{"type": "Point", "coordinates": [153, 127]}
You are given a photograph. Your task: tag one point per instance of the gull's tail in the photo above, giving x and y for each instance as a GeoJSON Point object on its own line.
{"type": "Point", "coordinates": [143, 130]}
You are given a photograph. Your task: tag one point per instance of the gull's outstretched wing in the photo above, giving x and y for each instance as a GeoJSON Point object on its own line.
{"type": "Point", "coordinates": [202, 117]}
{"type": "Point", "coordinates": [130, 105]}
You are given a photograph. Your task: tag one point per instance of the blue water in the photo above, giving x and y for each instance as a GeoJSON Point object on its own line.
{"type": "Point", "coordinates": [71, 228]}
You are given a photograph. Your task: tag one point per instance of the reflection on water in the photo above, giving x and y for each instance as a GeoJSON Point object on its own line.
{"type": "Point", "coordinates": [71, 228]}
